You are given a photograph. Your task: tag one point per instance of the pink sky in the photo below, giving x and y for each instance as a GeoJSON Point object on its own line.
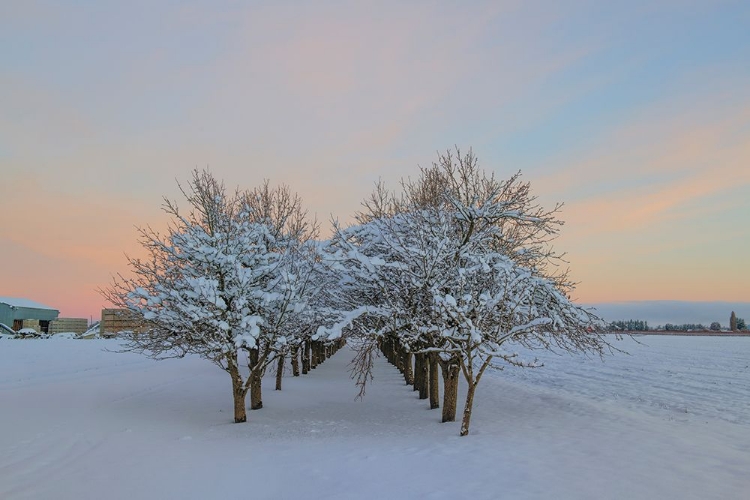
{"type": "Point", "coordinates": [636, 116]}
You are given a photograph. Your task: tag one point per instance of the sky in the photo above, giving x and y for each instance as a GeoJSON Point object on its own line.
{"type": "Point", "coordinates": [634, 114]}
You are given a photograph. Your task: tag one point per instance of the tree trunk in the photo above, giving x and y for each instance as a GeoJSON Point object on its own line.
{"type": "Point", "coordinates": [424, 368]}
{"type": "Point", "coordinates": [408, 373]}
{"type": "Point", "coordinates": [295, 361]}
{"type": "Point", "coordinates": [418, 375]}
{"type": "Point", "coordinates": [305, 357]}
{"type": "Point", "coordinates": [451, 370]}
{"type": "Point", "coordinates": [279, 371]}
{"type": "Point", "coordinates": [256, 377]}
{"type": "Point", "coordinates": [238, 392]}
{"type": "Point", "coordinates": [313, 355]}
{"type": "Point", "coordinates": [400, 357]}
{"type": "Point", "coordinates": [467, 409]}
{"type": "Point", "coordinates": [434, 383]}
{"type": "Point", "coordinates": [256, 391]}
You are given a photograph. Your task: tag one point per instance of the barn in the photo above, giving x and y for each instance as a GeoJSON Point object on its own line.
{"type": "Point", "coordinates": [23, 313]}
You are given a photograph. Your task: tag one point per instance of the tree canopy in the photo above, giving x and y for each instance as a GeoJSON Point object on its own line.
{"type": "Point", "coordinates": [456, 269]}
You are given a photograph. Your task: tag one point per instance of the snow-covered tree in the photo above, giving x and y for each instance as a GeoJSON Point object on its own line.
{"type": "Point", "coordinates": [493, 303]}
{"type": "Point", "coordinates": [281, 211]}
{"type": "Point", "coordinates": [221, 283]}
{"type": "Point", "coordinates": [733, 322]}
{"type": "Point", "coordinates": [457, 266]}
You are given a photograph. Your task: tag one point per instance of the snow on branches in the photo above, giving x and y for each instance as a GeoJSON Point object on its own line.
{"type": "Point", "coordinates": [454, 270]}
{"type": "Point", "coordinates": [459, 264]}
{"type": "Point", "coordinates": [224, 282]}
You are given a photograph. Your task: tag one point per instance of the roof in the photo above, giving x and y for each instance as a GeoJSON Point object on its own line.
{"type": "Point", "coordinates": [29, 304]}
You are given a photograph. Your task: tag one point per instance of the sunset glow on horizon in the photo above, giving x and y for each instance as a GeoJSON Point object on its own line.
{"type": "Point", "coordinates": [636, 116]}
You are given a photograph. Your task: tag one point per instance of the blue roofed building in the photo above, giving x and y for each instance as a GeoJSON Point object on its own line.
{"type": "Point", "coordinates": [18, 313]}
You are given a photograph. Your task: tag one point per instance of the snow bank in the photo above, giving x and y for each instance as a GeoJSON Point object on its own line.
{"type": "Point", "coordinates": [80, 421]}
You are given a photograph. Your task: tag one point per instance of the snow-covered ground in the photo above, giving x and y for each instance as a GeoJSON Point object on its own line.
{"type": "Point", "coordinates": [683, 378]}
{"type": "Point", "coordinates": [671, 420]}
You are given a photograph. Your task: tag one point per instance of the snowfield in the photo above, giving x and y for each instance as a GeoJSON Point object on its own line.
{"type": "Point", "coordinates": [670, 420]}
{"type": "Point", "coordinates": [682, 378]}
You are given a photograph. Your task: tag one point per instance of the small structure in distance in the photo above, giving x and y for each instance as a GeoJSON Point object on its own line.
{"type": "Point", "coordinates": [24, 315]}
{"type": "Point", "coordinates": [68, 325]}
{"type": "Point", "coordinates": [19, 313]}
{"type": "Point", "coordinates": [115, 321]}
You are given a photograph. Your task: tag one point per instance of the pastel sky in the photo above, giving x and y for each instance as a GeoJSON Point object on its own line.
{"type": "Point", "coordinates": [635, 114]}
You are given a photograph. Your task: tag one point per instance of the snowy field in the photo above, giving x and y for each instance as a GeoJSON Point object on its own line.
{"type": "Point", "coordinates": [671, 420]}
{"type": "Point", "coordinates": [675, 378]}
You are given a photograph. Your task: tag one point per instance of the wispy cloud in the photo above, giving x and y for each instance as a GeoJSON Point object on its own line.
{"type": "Point", "coordinates": [622, 111]}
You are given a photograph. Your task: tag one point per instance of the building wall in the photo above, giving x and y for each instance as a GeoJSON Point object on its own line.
{"type": "Point", "coordinates": [32, 323]}
{"type": "Point", "coordinates": [75, 325]}
{"type": "Point", "coordinates": [120, 320]}
{"type": "Point", "coordinates": [8, 315]}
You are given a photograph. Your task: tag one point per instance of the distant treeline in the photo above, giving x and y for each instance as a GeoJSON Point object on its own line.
{"type": "Point", "coordinates": [638, 325]}
{"type": "Point", "coordinates": [631, 325]}
{"type": "Point", "coordinates": [669, 327]}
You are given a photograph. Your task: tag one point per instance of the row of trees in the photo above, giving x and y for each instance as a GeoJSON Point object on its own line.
{"type": "Point", "coordinates": [453, 268]}
{"type": "Point", "coordinates": [631, 325]}
{"type": "Point", "coordinates": [447, 271]}
{"type": "Point", "coordinates": [735, 324]}
{"type": "Point", "coordinates": [715, 326]}
{"type": "Point", "coordinates": [230, 281]}
{"type": "Point", "coordinates": [669, 327]}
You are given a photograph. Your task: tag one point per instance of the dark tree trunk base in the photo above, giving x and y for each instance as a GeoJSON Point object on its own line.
{"type": "Point", "coordinates": [466, 421]}
{"type": "Point", "coordinates": [279, 372]}
{"type": "Point", "coordinates": [434, 383]}
{"type": "Point", "coordinates": [450, 382]}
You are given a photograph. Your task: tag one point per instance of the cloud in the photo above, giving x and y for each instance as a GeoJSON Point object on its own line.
{"type": "Point", "coordinates": [657, 164]}
{"type": "Point", "coordinates": [621, 111]}
{"type": "Point", "coordinates": [654, 207]}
